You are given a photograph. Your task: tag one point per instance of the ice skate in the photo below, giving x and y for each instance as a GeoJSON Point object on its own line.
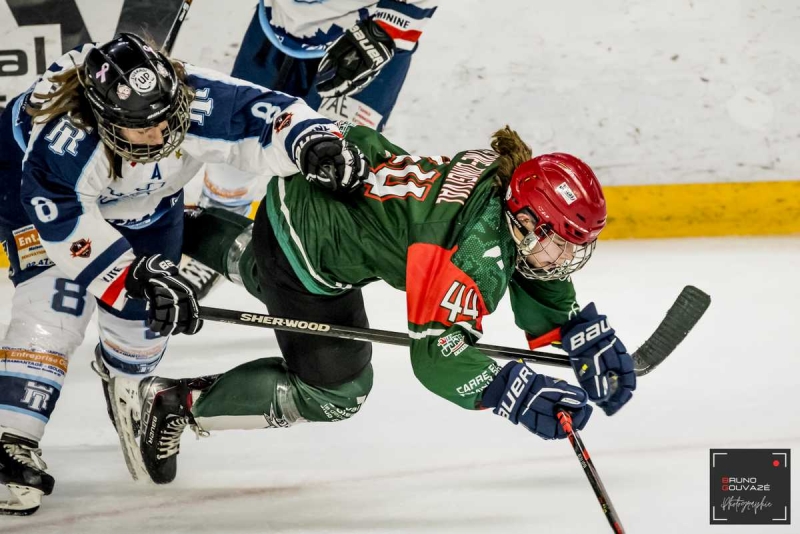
{"type": "Point", "coordinates": [22, 471]}
{"type": "Point", "coordinates": [161, 406]}
{"type": "Point", "coordinates": [126, 409]}
{"type": "Point", "coordinates": [99, 367]}
{"type": "Point", "coordinates": [165, 415]}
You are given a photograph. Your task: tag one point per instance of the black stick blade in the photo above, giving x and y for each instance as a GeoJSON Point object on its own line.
{"type": "Point", "coordinates": [687, 310]}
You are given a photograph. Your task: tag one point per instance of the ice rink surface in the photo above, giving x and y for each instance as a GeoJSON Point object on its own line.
{"type": "Point", "coordinates": [411, 462]}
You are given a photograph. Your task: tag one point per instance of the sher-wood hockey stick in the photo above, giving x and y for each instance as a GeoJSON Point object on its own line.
{"type": "Point", "coordinates": [589, 470]}
{"type": "Point", "coordinates": [684, 313]}
{"type": "Point", "coordinates": [172, 34]}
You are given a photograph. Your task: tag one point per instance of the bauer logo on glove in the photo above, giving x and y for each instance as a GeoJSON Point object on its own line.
{"type": "Point", "coordinates": [600, 360]}
{"type": "Point", "coordinates": [582, 337]}
{"type": "Point", "coordinates": [525, 397]}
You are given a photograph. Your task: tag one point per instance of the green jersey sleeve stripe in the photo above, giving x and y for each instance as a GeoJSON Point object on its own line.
{"type": "Point", "coordinates": [295, 252]}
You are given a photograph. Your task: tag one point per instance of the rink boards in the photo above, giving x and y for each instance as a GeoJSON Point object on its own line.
{"type": "Point", "coordinates": [696, 210]}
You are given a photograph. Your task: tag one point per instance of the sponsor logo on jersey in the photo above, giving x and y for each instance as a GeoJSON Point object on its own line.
{"type": "Point", "coordinates": [336, 413]}
{"type": "Point", "coordinates": [452, 344]}
{"type": "Point", "coordinates": [350, 110]}
{"type": "Point", "coordinates": [82, 248]}
{"type": "Point", "coordinates": [480, 382]}
{"type": "Point", "coordinates": [112, 274]}
{"type": "Point", "coordinates": [283, 122]}
{"type": "Point", "coordinates": [27, 361]}
{"type": "Point", "coordinates": [30, 251]}
{"type": "Point", "coordinates": [394, 19]}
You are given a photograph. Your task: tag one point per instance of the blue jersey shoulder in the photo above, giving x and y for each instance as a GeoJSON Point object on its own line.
{"type": "Point", "coordinates": [230, 109]}
{"type": "Point", "coordinates": [62, 150]}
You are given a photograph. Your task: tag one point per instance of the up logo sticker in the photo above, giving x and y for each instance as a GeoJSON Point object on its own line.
{"type": "Point", "coordinates": [142, 80]}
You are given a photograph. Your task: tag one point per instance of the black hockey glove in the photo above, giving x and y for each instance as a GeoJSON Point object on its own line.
{"type": "Point", "coordinates": [354, 59]}
{"type": "Point", "coordinates": [331, 162]}
{"type": "Point", "coordinates": [171, 302]}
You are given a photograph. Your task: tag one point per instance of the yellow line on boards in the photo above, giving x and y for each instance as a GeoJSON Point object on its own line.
{"type": "Point", "coordinates": [696, 210]}
{"type": "Point", "coordinates": [693, 210]}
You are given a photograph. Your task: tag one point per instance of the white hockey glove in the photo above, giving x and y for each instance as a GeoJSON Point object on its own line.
{"type": "Point", "coordinates": [354, 59]}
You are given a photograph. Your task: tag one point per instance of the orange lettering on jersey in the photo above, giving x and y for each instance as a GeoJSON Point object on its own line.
{"type": "Point", "coordinates": [437, 290]}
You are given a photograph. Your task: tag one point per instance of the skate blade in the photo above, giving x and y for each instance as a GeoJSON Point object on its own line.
{"type": "Point", "coordinates": [126, 406]}
{"type": "Point", "coordinates": [26, 500]}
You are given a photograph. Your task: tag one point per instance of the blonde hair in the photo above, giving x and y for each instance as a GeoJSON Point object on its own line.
{"type": "Point", "coordinates": [66, 98]}
{"type": "Point", "coordinates": [513, 153]}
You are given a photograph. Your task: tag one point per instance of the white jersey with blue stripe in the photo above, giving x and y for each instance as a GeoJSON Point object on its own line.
{"type": "Point", "coordinates": [75, 200]}
{"type": "Point", "coordinates": [310, 25]}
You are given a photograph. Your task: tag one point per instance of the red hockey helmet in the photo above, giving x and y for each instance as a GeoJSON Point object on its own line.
{"type": "Point", "coordinates": [563, 198]}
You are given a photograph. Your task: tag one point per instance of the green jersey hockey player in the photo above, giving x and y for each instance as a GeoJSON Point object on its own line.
{"type": "Point", "coordinates": [454, 234]}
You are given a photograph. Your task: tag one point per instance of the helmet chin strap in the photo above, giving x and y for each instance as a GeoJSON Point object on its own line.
{"type": "Point", "coordinates": [514, 224]}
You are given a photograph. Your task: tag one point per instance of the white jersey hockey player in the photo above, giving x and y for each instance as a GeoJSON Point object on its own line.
{"type": "Point", "coordinates": [101, 187]}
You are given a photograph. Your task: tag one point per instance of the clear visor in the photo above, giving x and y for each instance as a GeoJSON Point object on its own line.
{"type": "Point", "coordinates": [544, 255]}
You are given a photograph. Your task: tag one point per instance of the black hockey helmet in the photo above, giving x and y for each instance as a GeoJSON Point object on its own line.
{"type": "Point", "coordinates": [128, 84]}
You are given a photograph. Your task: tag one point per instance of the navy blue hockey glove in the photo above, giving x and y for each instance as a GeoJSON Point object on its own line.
{"type": "Point", "coordinates": [522, 396]}
{"type": "Point", "coordinates": [354, 59]}
{"type": "Point", "coordinates": [171, 302]}
{"type": "Point", "coordinates": [331, 162]}
{"type": "Point", "coordinates": [600, 360]}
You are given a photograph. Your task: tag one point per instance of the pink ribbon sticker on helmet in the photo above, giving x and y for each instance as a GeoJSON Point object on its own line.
{"type": "Point", "coordinates": [101, 74]}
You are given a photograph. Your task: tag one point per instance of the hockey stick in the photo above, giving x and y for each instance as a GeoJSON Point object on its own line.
{"type": "Point", "coordinates": [589, 470]}
{"type": "Point", "coordinates": [684, 313]}
{"type": "Point", "coordinates": [172, 34]}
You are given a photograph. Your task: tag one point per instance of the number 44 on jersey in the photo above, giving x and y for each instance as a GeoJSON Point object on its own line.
{"type": "Point", "coordinates": [460, 300]}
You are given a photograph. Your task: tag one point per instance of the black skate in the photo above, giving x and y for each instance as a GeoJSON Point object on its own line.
{"type": "Point", "coordinates": [163, 411]}
{"type": "Point", "coordinates": [22, 470]}
{"type": "Point", "coordinates": [165, 415]}
{"type": "Point", "coordinates": [201, 278]}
